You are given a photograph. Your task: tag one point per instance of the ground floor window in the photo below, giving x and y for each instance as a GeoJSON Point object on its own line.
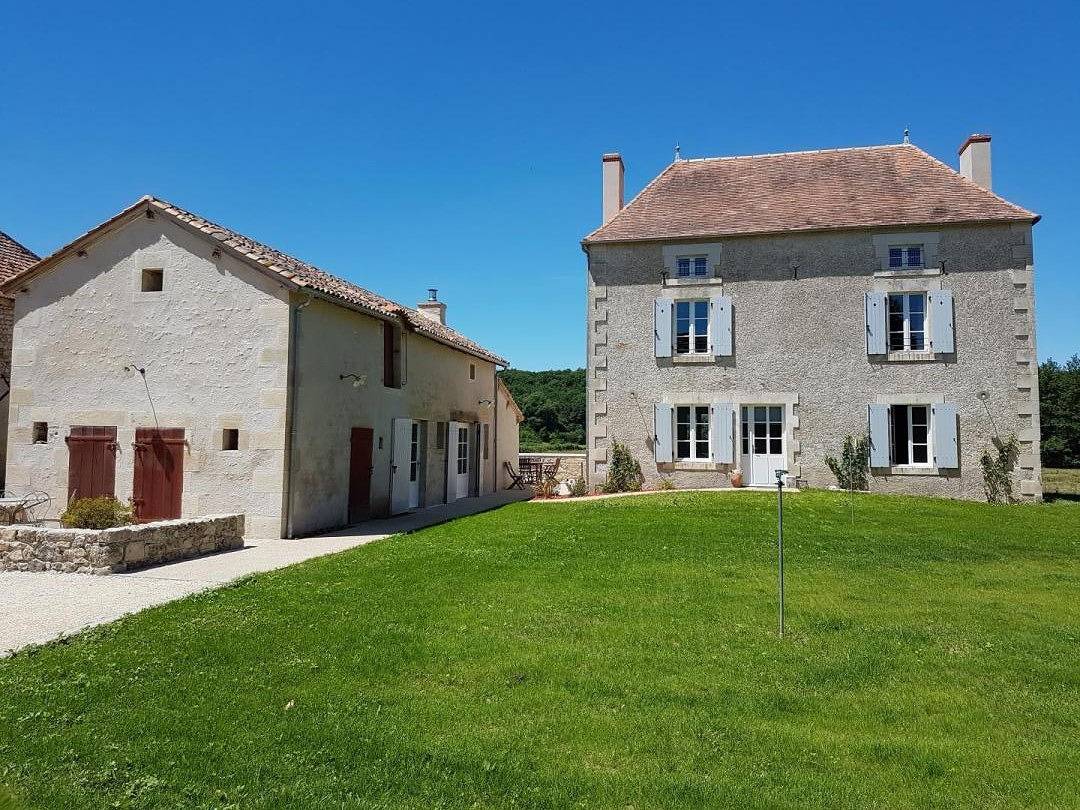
{"type": "Point", "coordinates": [692, 432]}
{"type": "Point", "coordinates": [414, 453]}
{"type": "Point", "coordinates": [910, 435]}
{"type": "Point", "coordinates": [462, 450]}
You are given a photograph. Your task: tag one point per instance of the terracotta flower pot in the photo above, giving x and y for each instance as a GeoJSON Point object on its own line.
{"type": "Point", "coordinates": [736, 478]}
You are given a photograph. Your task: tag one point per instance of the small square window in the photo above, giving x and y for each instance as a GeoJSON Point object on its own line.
{"type": "Point", "coordinates": [230, 439]}
{"type": "Point", "coordinates": [692, 266]}
{"type": "Point", "coordinates": [41, 433]}
{"type": "Point", "coordinates": [153, 279]}
{"type": "Point", "coordinates": [905, 256]}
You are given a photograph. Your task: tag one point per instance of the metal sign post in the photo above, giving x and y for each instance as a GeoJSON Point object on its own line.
{"type": "Point", "coordinates": [780, 540]}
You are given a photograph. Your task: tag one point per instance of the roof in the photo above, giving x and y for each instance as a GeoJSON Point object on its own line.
{"type": "Point", "coordinates": [289, 269]}
{"type": "Point", "coordinates": [14, 258]}
{"type": "Point", "coordinates": [862, 187]}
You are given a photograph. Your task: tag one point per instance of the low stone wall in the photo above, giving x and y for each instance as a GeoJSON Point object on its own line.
{"type": "Point", "coordinates": [571, 465]}
{"type": "Point", "coordinates": [112, 551]}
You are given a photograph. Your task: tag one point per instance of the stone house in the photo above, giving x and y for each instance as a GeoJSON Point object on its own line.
{"type": "Point", "coordinates": [171, 361]}
{"type": "Point", "coordinates": [14, 259]}
{"type": "Point", "coordinates": [751, 312]}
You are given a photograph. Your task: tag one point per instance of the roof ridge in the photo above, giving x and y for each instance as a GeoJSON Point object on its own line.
{"type": "Point", "coordinates": [797, 152]}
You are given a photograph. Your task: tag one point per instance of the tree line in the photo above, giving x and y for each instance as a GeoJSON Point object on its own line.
{"type": "Point", "coordinates": [1059, 401]}
{"type": "Point", "coordinates": [554, 406]}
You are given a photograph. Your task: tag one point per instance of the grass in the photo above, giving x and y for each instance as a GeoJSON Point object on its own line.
{"type": "Point", "coordinates": [617, 653]}
{"type": "Point", "coordinates": [1061, 482]}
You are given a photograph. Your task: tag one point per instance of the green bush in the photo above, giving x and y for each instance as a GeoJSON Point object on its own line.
{"type": "Point", "coordinates": [624, 473]}
{"type": "Point", "coordinates": [852, 471]}
{"type": "Point", "coordinates": [104, 512]}
{"type": "Point", "coordinates": [579, 488]}
{"type": "Point", "coordinates": [997, 470]}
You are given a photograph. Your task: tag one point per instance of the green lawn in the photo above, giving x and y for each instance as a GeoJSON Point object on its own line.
{"type": "Point", "coordinates": [1061, 482]}
{"type": "Point", "coordinates": [615, 653]}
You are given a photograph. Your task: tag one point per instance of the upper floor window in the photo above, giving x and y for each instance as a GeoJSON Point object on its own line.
{"type": "Point", "coordinates": [905, 256]}
{"type": "Point", "coordinates": [691, 327]}
{"type": "Point", "coordinates": [153, 279]}
{"type": "Point", "coordinates": [692, 266]}
{"type": "Point", "coordinates": [907, 322]}
{"type": "Point", "coordinates": [692, 433]}
{"type": "Point", "coordinates": [392, 365]}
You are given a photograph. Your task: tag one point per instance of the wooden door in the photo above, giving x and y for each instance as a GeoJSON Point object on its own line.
{"type": "Point", "coordinates": [91, 462]}
{"type": "Point", "coordinates": [159, 473]}
{"type": "Point", "coordinates": [360, 467]}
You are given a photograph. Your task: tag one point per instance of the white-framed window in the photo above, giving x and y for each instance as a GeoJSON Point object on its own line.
{"type": "Point", "coordinates": [902, 257]}
{"type": "Point", "coordinates": [907, 322]}
{"type": "Point", "coordinates": [691, 433]}
{"type": "Point", "coordinates": [692, 266]}
{"type": "Point", "coordinates": [414, 452]}
{"type": "Point", "coordinates": [692, 327]}
{"type": "Point", "coordinates": [462, 450]}
{"type": "Point", "coordinates": [909, 428]}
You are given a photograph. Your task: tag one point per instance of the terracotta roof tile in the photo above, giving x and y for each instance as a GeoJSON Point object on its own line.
{"type": "Point", "coordinates": [14, 258]}
{"type": "Point", "coordinates": [873, 186]}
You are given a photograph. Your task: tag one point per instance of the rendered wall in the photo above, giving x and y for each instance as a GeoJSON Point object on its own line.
{"type": "Point", "coordinates": [332, 341]}
{"type": "Point", "coordinates": [214, 343]}
{"type": "Point", "coordinates": [800, 340]}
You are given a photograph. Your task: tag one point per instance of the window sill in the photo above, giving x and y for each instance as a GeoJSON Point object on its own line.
{"type": "Point", "coordinates": [910, 272]}
{"type": "Point", "coordinates": [691, 466]}
{"type": "Point", "coordinates": [693, 359]}
{"type": "Point", "coordinates": [693, 281]}
{"type": "Point", "coordinates": [910, 356]}
{"type": "Point", "coordinates": [908, 470]}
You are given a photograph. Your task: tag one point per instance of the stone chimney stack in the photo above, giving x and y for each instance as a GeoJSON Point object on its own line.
{"type": "Point", "coordinates": [613, 184]}
{"type": "Point", "coordinates": [433, 308]}
{"type": "Point", "coordinates": [975, 160]}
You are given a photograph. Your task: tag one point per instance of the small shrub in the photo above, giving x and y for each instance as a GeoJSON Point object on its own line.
{"type": "Point", "coordinates": [997, 470]}
{"type": "Point", "coordinates": [546, 488]}
{"type": "Point", "coordinates": [579, 488]}
{"type": "Point", "coordinates": [665, 483]}
{"type": "Point", "coordinates": [852, 471]}
{"type": "Point", "coordinates": [104, 512]}
{"type": "Point", "coordinates": [624, 473]}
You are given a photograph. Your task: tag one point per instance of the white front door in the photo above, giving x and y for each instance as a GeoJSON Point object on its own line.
{"type": "Point", "coordinates": [458, 467]}
{"type": "Point", "coordinates": [762, 443]}
{"type": "Point", "coordinates": [400, 470]}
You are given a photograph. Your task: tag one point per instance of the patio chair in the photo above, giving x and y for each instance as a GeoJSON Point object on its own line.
{"type": "Point", "coordinates": [517, 480]}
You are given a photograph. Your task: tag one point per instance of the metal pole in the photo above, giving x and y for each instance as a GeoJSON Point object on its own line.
{"type": "Point", "coordinates": [780, 540]}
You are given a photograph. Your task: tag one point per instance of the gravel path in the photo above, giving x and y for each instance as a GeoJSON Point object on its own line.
{"type": "Point", "coordinates": [39, 607]}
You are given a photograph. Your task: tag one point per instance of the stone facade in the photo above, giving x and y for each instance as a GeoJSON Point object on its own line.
{"type": "Point", "coordinates": [799, 338]}
{"type": "Point", "coordinates": [112, 551]}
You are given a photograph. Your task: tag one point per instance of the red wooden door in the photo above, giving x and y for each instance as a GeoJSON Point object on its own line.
{"type": "Point", "coordinates": [360, 474]}
{"type": "Point", "coordinates": [91, 462]}
{"type": "Point", "coordinates": [159, 473]}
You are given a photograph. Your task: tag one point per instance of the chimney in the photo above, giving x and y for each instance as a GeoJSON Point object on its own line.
{"type": "Point", "coordinates": [433, 308]}
{"type": "Point", "coordinates": [975, 160]}
{"type": "Point", "coordinates": [613, 184]}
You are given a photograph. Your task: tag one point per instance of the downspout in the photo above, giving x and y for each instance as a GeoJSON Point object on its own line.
{"type": "Point", "coordinates": [291, 400]}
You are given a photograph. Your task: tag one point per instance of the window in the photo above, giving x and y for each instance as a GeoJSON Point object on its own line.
{"type": "Point", "coordinates": [153, 279]}
{"type": "Point", "coordinates": [230, 439]}
{"type": "Point", "coordinates": [692, 266]}
{"type": "Point", "coordinates": [472, 371]}
{"type": "Point", "coordinates": [462, 450]}
{"type": "Point", "coordinates": [762, 430]}
{"type": "Point", "coordinates": [41, 433]}
{"type": "Point", "coordinates": [907, 322]}
{"type": "Point", "coordinates": [414, 453]}
{"type": "Point", "coordinates": [487, 439]}
{"type": "Point", "coordinates": [691, 327]}
{"type": "Point", "coordinates": [391, 355]}
{"type": "Point", "coordinates": [910, 435]}
{"type": "Point", "coordinates": [692, 433]}
{"type": "Point", "coordinates": [905, 256]}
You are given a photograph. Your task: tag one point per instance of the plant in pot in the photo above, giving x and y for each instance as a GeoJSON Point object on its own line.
{"type": "Point", "coordinates": [736, 477]}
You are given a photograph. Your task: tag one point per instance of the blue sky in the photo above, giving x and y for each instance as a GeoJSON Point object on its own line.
{"type": "Point", "coordinates": [408, 145]}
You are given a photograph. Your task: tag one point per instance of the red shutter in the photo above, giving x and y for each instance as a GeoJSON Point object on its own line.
{"type": "Point", "coordinates": [159, 473]}
{"type": "Point", "coordinates": [360, 474]}
{"type": "Point", "coordinates": [91, 462]}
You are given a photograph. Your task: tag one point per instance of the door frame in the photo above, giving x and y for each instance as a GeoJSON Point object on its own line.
{"type": "Point", "coordinates": [746, 460]}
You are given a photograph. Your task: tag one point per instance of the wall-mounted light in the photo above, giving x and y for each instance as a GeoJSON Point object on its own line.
{"type": "Point", "coordinates": [359, 380]}
{"type": "Point", "coordinates": [663, 276]}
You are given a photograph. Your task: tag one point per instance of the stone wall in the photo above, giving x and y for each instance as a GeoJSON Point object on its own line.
{"type": "Point", "coordinates": [112, 551]}
{"type": "Point", "coordinates": [571, 465]}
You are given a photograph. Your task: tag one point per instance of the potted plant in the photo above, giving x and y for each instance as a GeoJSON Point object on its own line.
{"type": "Point", "coordinates": [736, 477]}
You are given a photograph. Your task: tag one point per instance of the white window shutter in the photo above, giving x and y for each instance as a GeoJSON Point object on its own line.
{"type": "Point", "coordinates": [720, 325]}
{"type": "Point", "coordinates": [946, 450]}
{"type": "Point", "coordinates": [879, 435]}
{"type": "Point", "coordinates": [662, 326]}
{"type": "Point", "coordinates": [942, 337]}
{"type": "Point", "coordinates": [876, 323]}
{"type": "Point", "coordinates": [723, 433]}
{"type": "Point", "coordinates": [662, 433]}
